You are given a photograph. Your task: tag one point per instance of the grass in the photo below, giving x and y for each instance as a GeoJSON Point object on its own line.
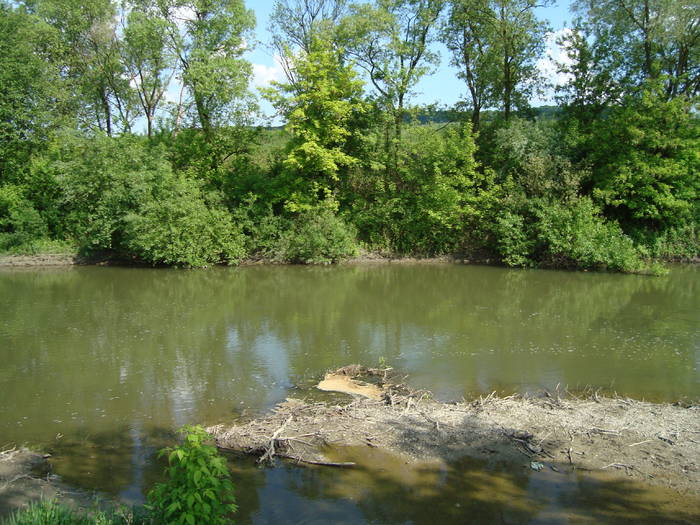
{"type": "Point", "coordinates": [53, 513]}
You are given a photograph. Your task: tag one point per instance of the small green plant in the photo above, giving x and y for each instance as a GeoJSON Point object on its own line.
{"type": "Point", "coordinates": [198, 489]}
{"type": "Point", "coordinates": [51, 512]}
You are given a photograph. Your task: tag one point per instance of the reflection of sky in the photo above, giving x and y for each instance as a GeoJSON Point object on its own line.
{"type": "Point", "coordinates": [271, 363]}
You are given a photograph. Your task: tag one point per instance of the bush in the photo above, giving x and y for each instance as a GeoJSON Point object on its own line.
{"type": "Point", "coordinates": [317, 236]}
{"type": "Point", "coordinates": [20, 224]}
{"type": "Point", "coordinates": [180, 229]}
{"type": "Point", "coordinates": [576, 233]}
{"type": "Point", "coordinates": [199, 489]}
{"type": "Point", "coordinates": [571, 234]}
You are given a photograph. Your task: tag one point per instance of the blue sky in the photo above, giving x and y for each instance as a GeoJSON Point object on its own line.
{"type": "Point", "coordinates": [443, 87]}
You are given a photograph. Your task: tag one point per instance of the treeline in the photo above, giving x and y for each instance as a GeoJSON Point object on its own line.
{"type": "Point", "coordinates": [128, 128]}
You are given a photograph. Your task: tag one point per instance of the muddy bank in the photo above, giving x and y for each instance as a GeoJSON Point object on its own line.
{"type": "Point", "coordinates": [657, 444]}
{"type": "Point", "coordinates": [39, 260]}
{"type": "Point", "coordinates": [51, 260]}
{"type": "Point", "coordinates": [25, 477]}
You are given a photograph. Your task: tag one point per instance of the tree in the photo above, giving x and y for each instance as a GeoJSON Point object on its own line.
{"type": "Point", "coordinates": [519, 41]}
{"type": "Point", "coordinates": [147, 57]}
{"type": "Point", "coordinates": [210, 47]}
{"type": "Point", "coordinates": [466, 34]}
{"type": "Point", "coordinates": [592, 86]}
{"type": "Point", "coordinates": [660, 39]}
{"type": "Point", "coordinates": [322, 108]}
{"type": "Point", "coordinates": [32, 93]}
{"type": "Point", "coordinates": [90, 58]}
{"type": "Point", "coordinates": [496, 45]}
{"type": "Point", "coordinates": [646, 168]}
{"type": "Point", "coordinates": [391, 42]}
{"type": "Point", "coordinates": [295, 24]}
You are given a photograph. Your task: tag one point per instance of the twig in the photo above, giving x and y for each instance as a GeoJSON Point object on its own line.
{"type": "Point", "coordinates": [270, 452]}
{"type": "Point", "coordinates": [322, 463]}
{"type": "Point", "coordinates": [641, 442]}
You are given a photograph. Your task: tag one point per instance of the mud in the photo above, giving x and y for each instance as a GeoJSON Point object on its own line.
{"type": "Point", "coordinates": [656, 444]}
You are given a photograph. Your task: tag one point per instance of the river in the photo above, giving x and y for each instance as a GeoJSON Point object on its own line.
{"type": "Point", "coordinates": [101, 364]}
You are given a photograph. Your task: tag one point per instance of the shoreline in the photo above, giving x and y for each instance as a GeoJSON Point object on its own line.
{"type": "Point", "coordinates": [49, 260]}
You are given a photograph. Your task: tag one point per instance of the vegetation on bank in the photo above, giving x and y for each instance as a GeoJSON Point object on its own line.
{"type": "Point", "coordinates": [198, 489]}
{"type": "Point", "coordinates": [97, 154]}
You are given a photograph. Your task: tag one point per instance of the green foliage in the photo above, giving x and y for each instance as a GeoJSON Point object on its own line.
{"type": "Point", "coordinates": [198, 489]}
{"type": "Point", "coordinates": [646, 162]}
{"type": "Point", "coordinates": [317, 236]}
{"type": "Point", "coordinates": [569, 235]}
{"type": "Point", "coordinates": [120, 195]}
{"type": "Point", "coordinates": [181, 229]}
{"type": "Point", "coordinates": [20, 224]}
{"type": "Point", "coordinates": [32, 95]}
{"type": "Point", "coordinates": [103, 181]}
{"type": "Point", "coordinates": [322, 107]}
{"type": "Point", "coordinates": [422, 212]}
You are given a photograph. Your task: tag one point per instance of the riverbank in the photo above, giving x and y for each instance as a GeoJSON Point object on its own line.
{"type": "Point", "coordinates": [656, 444]}
{"type": "Point", "coordinates": [58, 260]}
{"type": "Point", "coordinates": [64, 260]}
{"type": "Point", "coordinates": [25, 478]}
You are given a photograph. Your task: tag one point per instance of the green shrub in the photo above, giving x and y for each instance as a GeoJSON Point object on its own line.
{"type": "Point", "coordinates": [317, 236]}
{"type": "Point", "coordinates": [181, 229]}
{"type": "Point", "coordinates": [20, 224]}
{"type": "Point", "coordinates": [575, 234]}
{"type": "Point", "coordinates": [572, 234]}
{"type": "Point", "coordinates": [198, 489]}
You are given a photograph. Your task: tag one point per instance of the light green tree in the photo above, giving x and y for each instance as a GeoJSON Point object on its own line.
{"type": "Point", "coordinates": [295, 24]}
{"type": "Point", "coordinates": [322, 108]}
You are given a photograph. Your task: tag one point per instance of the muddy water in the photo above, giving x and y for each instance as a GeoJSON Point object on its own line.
{"type": "Point", "coordinates": [101, 364]}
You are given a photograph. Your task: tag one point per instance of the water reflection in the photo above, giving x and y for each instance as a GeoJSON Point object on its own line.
{"type": "Point", "coordinates": [114, 356]}
{"type": "Point", "coordinates": [383, 489]}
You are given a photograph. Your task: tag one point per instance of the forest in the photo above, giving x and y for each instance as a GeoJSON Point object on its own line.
{"type": "Point", "coordinates": [130, 128]}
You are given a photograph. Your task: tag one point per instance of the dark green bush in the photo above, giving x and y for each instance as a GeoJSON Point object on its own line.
{"type": "Point", "coordinates": [317, 236]}
{"type": "Point", "coordinates": [20, 224]}
{"type": "Point", "coordinates": [181, 229]}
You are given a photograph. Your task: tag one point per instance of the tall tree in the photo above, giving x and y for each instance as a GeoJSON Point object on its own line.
{"type": "Point", "coordinates": [209, 38]}
{"type": "Point", "coordinates": [518, 37]}
{"type": "Point", "coordinates": [91, 59]}
{"type": "Point", "coordinates": [32, 93]}
{"type": "Point", "coordinates": [466, 34]}
{"type": "Point", "coordinates": [660, 39]}
{"type": "Point", "coordinates": [496, 45]}
{"type": "Point", "coordinates": [391, 42]}
{"type": "Point", "coordinates": [147, 56]}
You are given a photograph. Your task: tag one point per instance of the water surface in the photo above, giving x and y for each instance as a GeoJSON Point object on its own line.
{"type": "Point", "coordinates": [101, 364]}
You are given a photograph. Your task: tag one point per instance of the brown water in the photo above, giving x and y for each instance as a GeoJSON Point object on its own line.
{"type": "Point", "coordinates": [101, 364]}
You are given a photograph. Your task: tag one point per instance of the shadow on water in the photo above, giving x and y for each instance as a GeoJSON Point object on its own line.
{"type": "Point", "coordinates": [384, 489]}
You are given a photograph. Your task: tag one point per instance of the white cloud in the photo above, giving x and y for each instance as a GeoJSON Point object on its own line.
{"type": "Point", "coordinates": [263, 74]}
{"type": "Point", "coordinates": [548, 65]}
